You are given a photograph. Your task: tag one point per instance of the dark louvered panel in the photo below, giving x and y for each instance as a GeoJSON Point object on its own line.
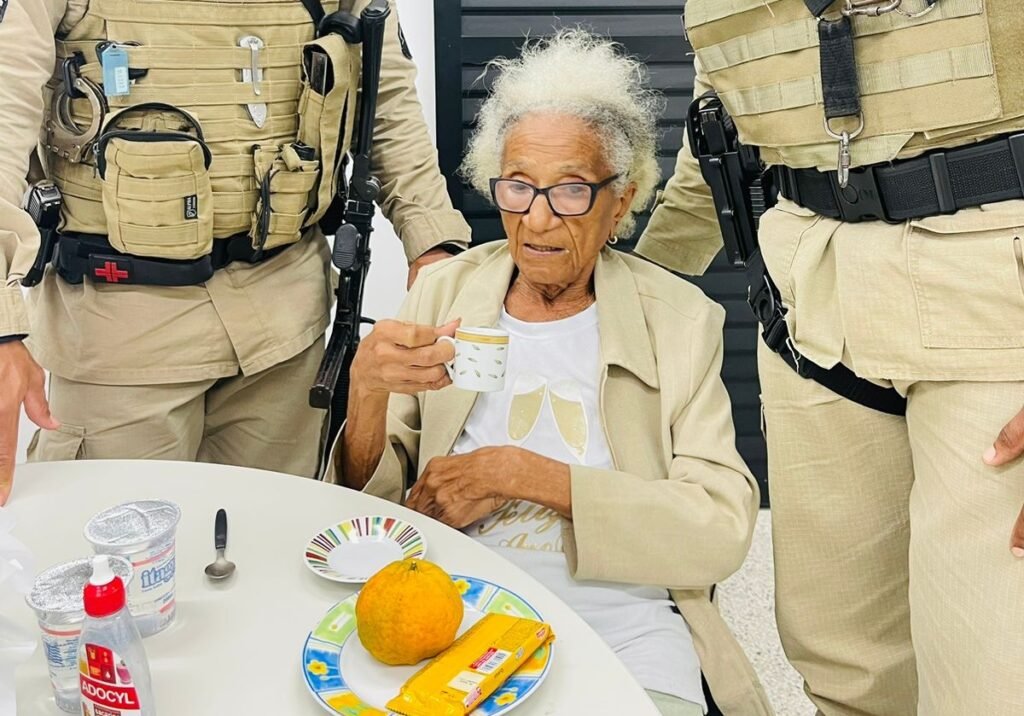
{"type": "Point", "coordinates": [470, 33]}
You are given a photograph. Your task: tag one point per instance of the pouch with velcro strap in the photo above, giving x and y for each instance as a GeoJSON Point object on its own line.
{"type": "Point", "coordinates": [327, 111]}
{"type": "Point", "coordinates": [157, 195]}
{"type": "Point", "coordinates": [285, 182]}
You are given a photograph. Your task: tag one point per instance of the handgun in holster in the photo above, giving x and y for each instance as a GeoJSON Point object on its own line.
{"type": "Point", "coordinates": [43, 204]}
{"type": "Point", "coordinates": [743, 190]}
{"type": "Point", "coordinates": [741, 187]}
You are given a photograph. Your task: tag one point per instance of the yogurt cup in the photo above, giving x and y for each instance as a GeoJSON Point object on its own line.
{"type": "Point", "coordinates": [56, 598]}
{"type": "Point", "coordinates": [143, 533]}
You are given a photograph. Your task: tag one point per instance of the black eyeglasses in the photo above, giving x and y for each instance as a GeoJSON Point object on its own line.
{"type": "Point", "coordinates": [569, 199]}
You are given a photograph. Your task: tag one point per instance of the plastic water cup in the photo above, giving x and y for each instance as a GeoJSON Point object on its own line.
{"type": "Point", "coordinates": [56, 598]}
{"type": "Point", "coordinates": [142, 532]}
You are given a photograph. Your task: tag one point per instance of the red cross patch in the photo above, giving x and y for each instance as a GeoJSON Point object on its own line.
{"type": "Point", "coordinates": [111, 273]}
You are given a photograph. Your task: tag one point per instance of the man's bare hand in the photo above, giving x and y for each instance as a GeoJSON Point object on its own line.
{"type": "Point", "coordinates": [1008, 447]}
{"type": "Point", "coordinates": [21, 382]}
{"type": "Point", "coordinates": [432, 256]}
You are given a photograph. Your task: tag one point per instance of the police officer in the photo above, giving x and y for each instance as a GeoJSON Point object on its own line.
{"type": "Point", "coordinates": [185, 312]}
{"type": "Point", "coordinates": [895, 261]}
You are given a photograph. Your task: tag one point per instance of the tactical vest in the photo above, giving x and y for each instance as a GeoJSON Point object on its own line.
{"type": "Point", "coordinates": [951, 76]}
{"type": "Point", "coordinates": [229, 135]}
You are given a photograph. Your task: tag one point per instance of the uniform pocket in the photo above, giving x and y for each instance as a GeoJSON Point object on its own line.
{"type": "Point", "coordinates": [65, 443]}
{"type": "Point", "coordinates": [781, 230]}
{"type": "Point", "coordinates": [327, 113]}
{"type": "Point", "coordinates": [285, 182]}
{"type": "Point", "coordinates": [966, 272]}
{"type": "Point", "coordinates": [157, 195]}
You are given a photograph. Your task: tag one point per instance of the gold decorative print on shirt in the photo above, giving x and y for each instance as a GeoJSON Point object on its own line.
{"type": "Point", "coordinates": [566, 400]}
{"type": "Point", "coordinates": [527, 400]}
{"type": "Point", "coordinates": [542, 526]}
{"type": "Point", "coordinates": [570, 416]}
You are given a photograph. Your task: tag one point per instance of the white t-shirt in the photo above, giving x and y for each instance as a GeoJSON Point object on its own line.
{"type": "Point", "coordinates": [550, 406]}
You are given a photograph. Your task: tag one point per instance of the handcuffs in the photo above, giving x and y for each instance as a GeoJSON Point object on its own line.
{"type": "Point", "coordinates": [64, 137]}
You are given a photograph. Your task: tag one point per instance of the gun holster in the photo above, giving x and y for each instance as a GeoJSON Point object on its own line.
{"type": "Point", "coordinates": [741, 186]}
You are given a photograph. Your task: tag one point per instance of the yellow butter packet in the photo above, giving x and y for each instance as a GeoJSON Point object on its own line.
{"type": "Point", "coordinates": [458, 679]}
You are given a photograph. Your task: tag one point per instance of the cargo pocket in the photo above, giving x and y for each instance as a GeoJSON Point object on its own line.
{"type": "Point", "coordinates": [967, 273]}
{"type": "Point", "coordinates": [781, 231]}
{"type": "Point", "coordinates": [65, 443]}
{"type": "Point", "coordinates": [157, 196]}
{"type": "Point", "coordinates": [327, 113]}
{"type": "Point", "coordinates": [285, 182]}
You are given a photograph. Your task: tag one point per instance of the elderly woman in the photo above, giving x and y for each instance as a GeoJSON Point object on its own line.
{"type": "Point", "coordinates": [632, 504]}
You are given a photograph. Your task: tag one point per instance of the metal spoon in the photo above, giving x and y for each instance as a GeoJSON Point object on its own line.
{"type": "Point", "coordinates": [220, 568]}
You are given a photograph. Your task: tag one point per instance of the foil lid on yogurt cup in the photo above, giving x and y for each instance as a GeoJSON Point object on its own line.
{"type": "Point", "coordinates": [59, 588]}
{"type": "Point", "coordinates": [132, 524]}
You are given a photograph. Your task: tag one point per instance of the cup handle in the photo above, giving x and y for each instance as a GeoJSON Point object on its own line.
{"type": "Point", "coordinates": [449, 365]}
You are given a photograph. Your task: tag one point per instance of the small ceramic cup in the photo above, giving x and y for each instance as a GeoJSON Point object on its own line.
{"type": "Point", "coordinates": [481, 355]}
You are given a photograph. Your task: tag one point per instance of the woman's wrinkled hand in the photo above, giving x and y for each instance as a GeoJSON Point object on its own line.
{"type": "Point", "coordinates": [398, 357]}
{"type": "Point", "coordinates": [1009, 446]}
{"type": "Point", "coordinates": [461, 489]}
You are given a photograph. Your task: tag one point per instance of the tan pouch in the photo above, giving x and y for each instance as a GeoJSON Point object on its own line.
{"type": "Point", "coordinates": [327, 111]}
{"type": "Point", "coordinates": [157, 196]}
{"type": "Point", "coordinates": [285, 182]}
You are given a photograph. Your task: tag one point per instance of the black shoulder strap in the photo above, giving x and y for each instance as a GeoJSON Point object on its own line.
{"type": "Point", "coordinates": [315, 10]}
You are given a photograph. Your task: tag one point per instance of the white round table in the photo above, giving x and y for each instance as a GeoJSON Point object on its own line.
{"type": "Point", "coordinates": [235, 646]}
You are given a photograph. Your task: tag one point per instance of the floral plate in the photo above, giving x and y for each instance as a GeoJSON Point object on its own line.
{"type": "Point", "coordinates": [327, 665]}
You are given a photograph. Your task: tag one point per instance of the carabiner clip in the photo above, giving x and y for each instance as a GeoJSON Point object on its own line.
{"type": "Point", "coordinates": [930, 5]}
{"type": "Point", "coordinates": [870, 8]}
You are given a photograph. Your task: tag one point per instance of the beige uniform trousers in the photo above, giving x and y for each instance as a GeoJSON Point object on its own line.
{"type": "Point", "coordinates": [261, 420]}
{"type": "Point", "coordinates": [892, 540]}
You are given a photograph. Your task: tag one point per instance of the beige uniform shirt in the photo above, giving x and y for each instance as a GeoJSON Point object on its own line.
{"type": "Point", "coordinates": [938, 298]}
{"type": "Point", "coordinates": [246, 318]}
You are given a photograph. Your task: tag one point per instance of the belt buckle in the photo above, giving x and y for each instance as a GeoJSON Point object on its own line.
{"type": "Point", "coordinates": [861, 198]}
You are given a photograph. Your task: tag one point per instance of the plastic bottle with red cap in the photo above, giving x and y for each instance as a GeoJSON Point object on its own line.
{"type": "Point", "coordinates": [114, 672]}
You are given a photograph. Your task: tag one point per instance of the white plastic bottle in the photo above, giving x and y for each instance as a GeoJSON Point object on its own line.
{"type": "Point", "coordinates": [114, 678]}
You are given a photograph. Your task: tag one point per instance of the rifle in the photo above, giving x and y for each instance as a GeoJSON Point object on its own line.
{"type": "Point", "coordinates": [351, 253]}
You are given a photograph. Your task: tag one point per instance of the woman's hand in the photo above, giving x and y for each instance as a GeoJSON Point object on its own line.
{"type": "Point", "coordinates": [402, 357]}
{"type": "Point", "coordinates": [1008, 447]}
{"type": "Point", "coordinates": [461, 489]}
{"type": "Point", "coordinates": [395, 358]}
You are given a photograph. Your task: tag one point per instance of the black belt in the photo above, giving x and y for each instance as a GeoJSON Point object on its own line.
{"type": "Point", "coordinates": [939, 182]}
{"type": "Point", "coordinates": [91, 256]}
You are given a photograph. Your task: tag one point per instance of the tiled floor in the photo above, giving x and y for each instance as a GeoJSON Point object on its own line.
{"type": "Point", "coordinates": [747, 601]}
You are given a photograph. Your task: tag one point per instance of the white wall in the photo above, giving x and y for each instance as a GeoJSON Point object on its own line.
{"type": "Point", "coordinates": [385, 286]}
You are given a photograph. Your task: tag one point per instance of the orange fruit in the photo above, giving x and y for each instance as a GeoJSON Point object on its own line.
{"type": "Point", "coordinates": [407, 612]}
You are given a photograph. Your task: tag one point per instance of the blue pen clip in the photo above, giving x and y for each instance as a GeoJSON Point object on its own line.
{"type": "Point", "coordinates": [116, 82]}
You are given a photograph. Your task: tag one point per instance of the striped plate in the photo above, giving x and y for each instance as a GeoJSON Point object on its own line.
{"type": "Point", "coordinates": [354, 550]}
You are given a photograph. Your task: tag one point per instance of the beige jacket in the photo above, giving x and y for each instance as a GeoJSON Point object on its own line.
{"type": "Point", "coordinates": [667, 418]}
{"type": "Point", "coordinates": [246, 318]}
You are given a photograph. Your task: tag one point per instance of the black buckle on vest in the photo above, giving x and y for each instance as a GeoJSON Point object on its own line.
{"type": "Point", "coordinates": [861, 198]}
{"type": "Point", "coordinates": [766, 303]}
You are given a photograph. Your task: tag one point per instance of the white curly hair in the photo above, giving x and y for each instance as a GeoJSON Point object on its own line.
{"type": "Point", "coordinates": [583, 75]}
